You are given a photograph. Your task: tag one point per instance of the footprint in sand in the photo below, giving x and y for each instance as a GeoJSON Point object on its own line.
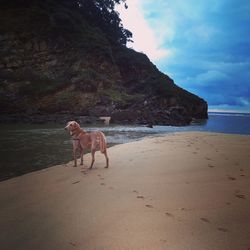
{"type": "Point", "coordinates": [102, 184]}
{"type": "Point", "coordinates": [228, 203]}
{"type": "Point", "coordinates": [75, 182]}
{"type": "Point", "coordinates": [84, 171]}
{"type": "Point", "coordinates": [163, 241]}
{"type": "Point", "coordinates": [222, 229]}
{"type": "Point", "coordinates": [134, 191]}
{"type": "Point", "coordinates": [207, 158]}
{"type": "Point", "coordinates": [149, 206]}
{"type": "Point", "coordinates": [72, 244]}
{"type": "Point", "coordinates": [195, 153]}
{"type": "Point", "coordinates": [140, 197]}
{"type": "Point", "coordinates": [211, 166]}
{"type": "Point", "coordinates": [231, 178]}
{"type": "Point", "coordinates": [205, 220]}
{"type": "Point", "coordinates": [169, 214]}
{"type": "Point", "coordinates": [240, 196]}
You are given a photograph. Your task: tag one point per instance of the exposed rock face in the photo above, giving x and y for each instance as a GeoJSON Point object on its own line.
{"type": "Point", "coordinates": [87, 76]}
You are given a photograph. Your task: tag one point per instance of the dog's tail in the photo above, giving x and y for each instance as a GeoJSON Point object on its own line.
{"type": "Point", "coordinates": [103, 143]}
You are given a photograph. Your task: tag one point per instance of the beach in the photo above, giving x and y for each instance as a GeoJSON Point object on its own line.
{"type": "Point", "coordinates": [187, 190]}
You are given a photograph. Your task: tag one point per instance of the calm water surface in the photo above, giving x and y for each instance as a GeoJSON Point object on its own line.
{"type": "Point", "coordinates": [26, 148]}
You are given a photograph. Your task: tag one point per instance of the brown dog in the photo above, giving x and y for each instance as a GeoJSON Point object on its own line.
{"type": "Point", "coordinates": [82, 140]}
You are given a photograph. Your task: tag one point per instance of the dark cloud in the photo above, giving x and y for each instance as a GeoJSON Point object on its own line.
{"type": "Point", "coordinates": [212, 44]}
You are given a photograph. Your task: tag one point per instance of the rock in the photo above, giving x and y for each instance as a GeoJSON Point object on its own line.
{"type": "Point", "coordinates": [125, 116]}
{"type": "Point", "coordinates": [43, 46]}
{"type": "Point", "coordinates": [51, 63]}
{"type": "Point", "coordinates": [75, 74]}
{"type": "Point", "coordinates": [150, 125]}
{"type": "Point", "coordinates": [28, 45]}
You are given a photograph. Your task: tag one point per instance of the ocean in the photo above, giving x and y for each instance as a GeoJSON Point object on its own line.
{"type": "Point", "coordinates": [25, 148]}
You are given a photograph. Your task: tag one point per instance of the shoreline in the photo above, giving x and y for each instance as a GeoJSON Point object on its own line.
{"type": "Point", "coordinates": [63, 118]}
{"type": "Point", "coordinates": [35, 169]}
{"type": "Point", "coordinates": [185, 190]}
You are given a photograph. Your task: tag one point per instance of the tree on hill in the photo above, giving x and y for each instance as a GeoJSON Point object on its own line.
{"type": "Point", "coordinates": [99, 13]}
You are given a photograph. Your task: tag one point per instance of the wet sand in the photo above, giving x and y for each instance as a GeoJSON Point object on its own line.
{"type": "Point", "coordinates": [178, 191]}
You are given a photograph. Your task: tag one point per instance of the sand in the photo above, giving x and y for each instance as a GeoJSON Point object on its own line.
{"type": "Point", "coordinates": [178, 191]}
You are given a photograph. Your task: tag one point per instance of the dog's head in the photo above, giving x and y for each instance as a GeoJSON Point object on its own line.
{"type": "Point", "coordinates": [72, 125]}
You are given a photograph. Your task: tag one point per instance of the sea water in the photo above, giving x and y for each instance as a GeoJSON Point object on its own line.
{"type": "Point", "coordinates": [26, 148]}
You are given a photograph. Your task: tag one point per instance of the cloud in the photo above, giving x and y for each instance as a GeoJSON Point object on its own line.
{"type": "Point", "coordinates": [144, 37]}
{"type": "Point", "coordinates": [242, 101]}
{"type": "Point", "coordinates": [203, 45]}
{"type": "Point", "coordinates": [210, 77]}
{"type": "Point", "coordinates": [202, 33]}
{"type": "Point", "coordinates": [221, 87]}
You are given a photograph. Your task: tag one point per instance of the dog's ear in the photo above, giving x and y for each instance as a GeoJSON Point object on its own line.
{"type": "Point", "coordinates": [68, 123]}
{"type": "Point", "coordinates": [76, 125]}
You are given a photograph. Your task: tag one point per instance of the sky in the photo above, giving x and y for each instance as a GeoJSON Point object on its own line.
{"type": "Point", "coordinates": [204, 46]}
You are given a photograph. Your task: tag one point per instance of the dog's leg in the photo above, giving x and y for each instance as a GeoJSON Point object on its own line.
{"type": "Point", "coordinates": [93, 157]}
{"type": "Point", "coordinates": [81, 156]}
{"type": "Point", "coordinates": [75, 160]}
{"type": "Point", "coordinates": [107, 159]}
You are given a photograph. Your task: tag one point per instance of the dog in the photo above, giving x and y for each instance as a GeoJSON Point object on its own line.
{"type": "Point", "coordinates": [82, 140]}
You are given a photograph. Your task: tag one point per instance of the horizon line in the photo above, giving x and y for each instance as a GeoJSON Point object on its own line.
{"type": "Point", "coordinates": [229, 111]}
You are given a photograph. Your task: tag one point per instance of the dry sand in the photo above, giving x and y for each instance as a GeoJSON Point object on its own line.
{"type": "Point", "coordinates": [179, 191]}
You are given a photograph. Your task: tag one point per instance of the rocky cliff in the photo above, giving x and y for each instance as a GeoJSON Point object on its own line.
{"type": "Point", "coordinates": [49, 71]}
